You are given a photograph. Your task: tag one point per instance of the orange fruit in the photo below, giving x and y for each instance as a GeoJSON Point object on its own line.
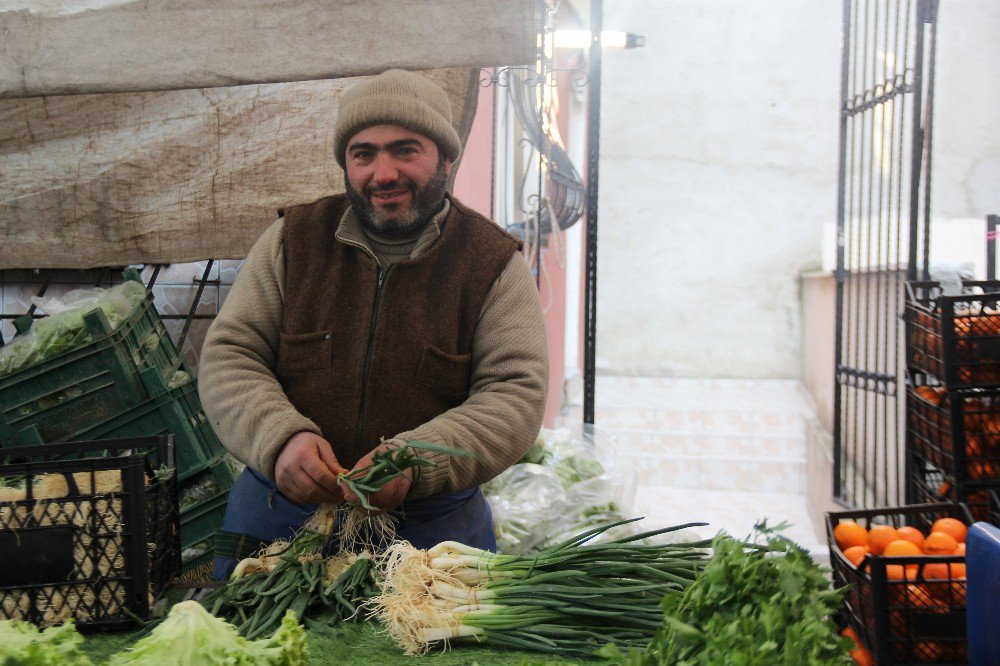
{"type": "Point", "coordinates": [879, 536]}
{"type": "Point", "coordinates": [919, 596]}
{"type": "Point", "coordinates": [848, 533]}
{"type": "Point", "coordinates": [860, 654]}
{"type": "Point", "coordinates": [856, 554]}
{"type": "Point", "coordinates": [911, 534]}
{"type": "Point", "coordinates": [928, 652]}
{"type": "Point", "coordinates": [939, 543]}
{"type": "Point", "coordinates": [902, 548]}
{"type": "Point", "coordinates": [951, 526]}
{"type": "Point", "coordinates": [958, 570]}
{"type": "Point", "coordinates": [897, 572]}
{"type": "Point", "coordinates": [936, 571]}
{"type": "Point", "coordinates": [960, 550]}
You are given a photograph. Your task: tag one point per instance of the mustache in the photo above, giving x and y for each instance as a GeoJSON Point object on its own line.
{"type": "Point", "coordinates": [389, 187]}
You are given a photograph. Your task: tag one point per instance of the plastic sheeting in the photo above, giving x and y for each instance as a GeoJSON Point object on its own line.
{"type": "Point", "coordinates": [165, 177]}
{"type": "Point", "coordinates": [54, 47]}
{"type": "Point", "coordinates": [174, 161]}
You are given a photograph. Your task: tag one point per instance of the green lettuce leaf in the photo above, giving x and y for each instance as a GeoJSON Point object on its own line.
{"type": "Point", "coordinates": [22, 644]}
{"type": "Point", "coordinates": [191, 636]}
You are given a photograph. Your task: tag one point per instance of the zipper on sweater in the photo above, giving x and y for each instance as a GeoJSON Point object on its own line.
{"type": "Point", "coordinates": [368, 359]}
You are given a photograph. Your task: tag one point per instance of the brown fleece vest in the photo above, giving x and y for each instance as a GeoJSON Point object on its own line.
{"type": "Point", "coordinates": [366, 362]}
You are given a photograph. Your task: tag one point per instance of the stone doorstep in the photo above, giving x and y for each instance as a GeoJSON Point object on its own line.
{"type": "Point", "coordinates": [732, 511]}
{"type": "Point", "coordinates": [774, 475]}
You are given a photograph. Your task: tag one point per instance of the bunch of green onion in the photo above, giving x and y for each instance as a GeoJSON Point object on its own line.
{"type": "Point", "coordinates": [568, 599]}
{"type": "Point", "coordinates": [293, 575]}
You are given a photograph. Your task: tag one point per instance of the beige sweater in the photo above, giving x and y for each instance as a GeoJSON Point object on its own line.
{"type": "Point", "coordinates": [499, 420]}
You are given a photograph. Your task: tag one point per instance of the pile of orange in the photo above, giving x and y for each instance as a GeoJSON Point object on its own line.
{"type": "Point", "coordinates": [937, 587]}
{"type": "Point", "coordinates": [946, 537]}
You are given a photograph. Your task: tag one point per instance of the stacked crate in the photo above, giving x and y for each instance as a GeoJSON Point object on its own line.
{"type": "Point", "coordinates": [900, 608]}
{"type": "Point", "coordinates": [127, 382]}
{"type": "Point", "coordinates": [88, 531]}
{"type": "Point", "coordinates": [953, 395]}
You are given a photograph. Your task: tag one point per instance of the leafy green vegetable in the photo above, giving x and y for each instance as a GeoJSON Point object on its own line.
{"type": "Point", "coordinates": [536, 454]}
{"type": "Point", "coordinates": [65, 329]}
{"type": "Point", "coordinates": [191, 636]}
{"type": "Point", "coordinates": [752, 605]}
{"type": "Point", "coordinates": [21, 644]}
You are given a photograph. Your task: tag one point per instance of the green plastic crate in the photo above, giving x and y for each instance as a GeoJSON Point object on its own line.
{"type": "Point", "coordinates": [199, 567]}
{"type": "Point", "coordinates": [207, 485]}
{"type": "Point", "coordinates": [203, 521]}
{"type": "Point", "coordinates": [178, 411]}
{"type": "Point", "coordinates": [59, 398]}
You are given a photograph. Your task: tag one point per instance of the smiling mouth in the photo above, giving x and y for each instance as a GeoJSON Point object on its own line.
{"type": "Point", "coordinates": [389, 196]}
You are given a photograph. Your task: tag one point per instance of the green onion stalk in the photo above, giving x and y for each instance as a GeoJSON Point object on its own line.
{"type": "Point", "coordinates": [294, 575]}
{"type": "Point", "coordinates": [569, 599]}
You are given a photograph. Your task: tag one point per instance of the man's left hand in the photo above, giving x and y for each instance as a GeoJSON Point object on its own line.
{"type": "Point", "coordinates": [392, 494]}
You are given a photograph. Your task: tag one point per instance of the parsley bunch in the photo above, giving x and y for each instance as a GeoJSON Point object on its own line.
{"type": "Point", "coordinates": [754, 603]}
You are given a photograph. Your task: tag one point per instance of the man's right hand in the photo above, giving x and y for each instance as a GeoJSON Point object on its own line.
{"type": "Point", "coordinates": [306, 470]}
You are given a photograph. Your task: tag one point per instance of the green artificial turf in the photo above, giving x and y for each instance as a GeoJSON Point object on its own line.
{"type": "Point", "coordinates": [357, 645]}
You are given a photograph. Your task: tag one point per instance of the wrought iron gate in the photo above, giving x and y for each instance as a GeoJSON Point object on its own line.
{"type": "Point", "coordinates": [883, 211]}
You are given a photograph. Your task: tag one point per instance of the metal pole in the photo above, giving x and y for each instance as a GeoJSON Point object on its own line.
{"type": "Point", "coordinates": [916, 156]}
{"type": "Point", "coordinates": [841, 188]}
{"type": "Point", "coordinates": [593, 167]}
{"type": "Point", "coordinates": [991, 246]}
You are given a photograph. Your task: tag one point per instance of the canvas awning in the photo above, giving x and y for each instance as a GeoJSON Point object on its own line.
{"type": "Point", "coordinates": [173, 168]}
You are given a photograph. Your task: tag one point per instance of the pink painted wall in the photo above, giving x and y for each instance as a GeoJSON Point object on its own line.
{"type": "Point", "coordinates": [472, 187]}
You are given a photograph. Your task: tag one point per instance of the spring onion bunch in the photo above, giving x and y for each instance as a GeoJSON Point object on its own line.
{"type": "Point", "coordinates": [568, 599]}
{"type": "Point", "coordinates": [293, 575]}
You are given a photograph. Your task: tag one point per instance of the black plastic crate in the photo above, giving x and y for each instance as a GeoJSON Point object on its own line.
{"type": "Point", "coordinates": [993, 515]}
{"type": "Point", "coordinates": [902, 615]}
{"type": "Point", "coordinates": [954, 338]}
{"type": "Point", "coordinates": [957, 431]}
{"type": "Point", "coordinates": [926, 482]}
{"type": "Point", "coordinates": [57, 398]}
{"type": "Point", "coordinates": [89, 537]}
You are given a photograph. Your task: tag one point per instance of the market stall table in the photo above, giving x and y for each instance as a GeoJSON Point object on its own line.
{"type": "Point", "coordinates": [349, 645]}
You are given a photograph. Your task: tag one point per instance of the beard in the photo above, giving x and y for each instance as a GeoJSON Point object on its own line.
{"type": "Point", "coordinates": [425, 202]}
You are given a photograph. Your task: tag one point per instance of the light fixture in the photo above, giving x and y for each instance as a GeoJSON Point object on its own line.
{"type": "Point", "coordinates": [610, 39]}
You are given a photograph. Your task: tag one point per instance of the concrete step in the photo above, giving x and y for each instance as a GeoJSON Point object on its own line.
{"type": "Point", "coordinates": [732, 511]}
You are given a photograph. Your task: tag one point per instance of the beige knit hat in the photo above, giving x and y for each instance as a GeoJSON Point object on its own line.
{"type": "Point", "coordinates": [397, 97]}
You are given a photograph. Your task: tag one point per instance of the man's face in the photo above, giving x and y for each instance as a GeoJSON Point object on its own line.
{"type": "Point", "coordinates": [395, 179]}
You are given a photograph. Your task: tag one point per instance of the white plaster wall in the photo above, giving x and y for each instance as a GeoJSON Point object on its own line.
{"type": "Point", "coordinates": [965, 173]}
{"type": "Point", "coordinates": [719, 171]}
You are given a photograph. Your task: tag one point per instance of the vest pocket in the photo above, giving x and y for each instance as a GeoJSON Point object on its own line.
{"type": "Point", "coordinates": [300, 353]}
{"type": "Point", "coordinates": [448, 373]}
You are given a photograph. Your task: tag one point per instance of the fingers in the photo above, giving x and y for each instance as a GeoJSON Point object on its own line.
{"type": "Point", "coordinates": [389, 497]}
{"type": "Point", "coordinates": [301, 489]}
{"type": "Point", "coordinates": [320, 473]}
{"type": "Point", "coordinates": [326, 455]}
{"type": "Point", "coordinates": [306, 470]}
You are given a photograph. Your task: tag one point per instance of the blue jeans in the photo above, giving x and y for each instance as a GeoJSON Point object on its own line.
{"type": "Point", "coordinates": [258, 510]}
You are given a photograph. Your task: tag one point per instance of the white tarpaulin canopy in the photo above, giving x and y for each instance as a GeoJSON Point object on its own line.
{"type": "Point", "coordinates": [172, 168]}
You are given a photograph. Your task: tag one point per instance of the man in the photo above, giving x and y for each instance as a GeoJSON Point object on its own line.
{"type": "Point", "coordinates": [389, 314]}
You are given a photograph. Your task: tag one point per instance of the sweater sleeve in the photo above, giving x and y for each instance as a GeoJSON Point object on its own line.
{"type": "Point", "coordinates": [242, 397]}
{"type": "Point", "coordinates": [510, 373]}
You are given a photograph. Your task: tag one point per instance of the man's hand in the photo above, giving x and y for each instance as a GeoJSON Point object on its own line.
{"type": "Point", "coordinates": [392, 493]}
{"type": "Point", "coordinates": [306, 470]}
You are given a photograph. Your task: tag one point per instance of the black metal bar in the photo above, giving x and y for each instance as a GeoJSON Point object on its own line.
{"type": "Point", "coordinates": [41, 292]}
{"type": "Point", "coordinates": [593, 161]}
{"type": "Point", "coordinates": [991, 246]}
{"type": "Point", "coordinates": [152, 278]}
{"type": "Point", "coordinates": [194, 305]}
{"type": "Point", "coordinates": [870, 99]}
{"type": "Point", "coordinates": [930, 16]}
{"type": "Point", "coordinates": [841, 190]}
{"type": "Point", "coordinates": [916, 158]}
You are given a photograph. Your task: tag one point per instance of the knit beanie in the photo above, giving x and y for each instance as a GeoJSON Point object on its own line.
{"type": "Point", "coordinates": [397, 97]}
